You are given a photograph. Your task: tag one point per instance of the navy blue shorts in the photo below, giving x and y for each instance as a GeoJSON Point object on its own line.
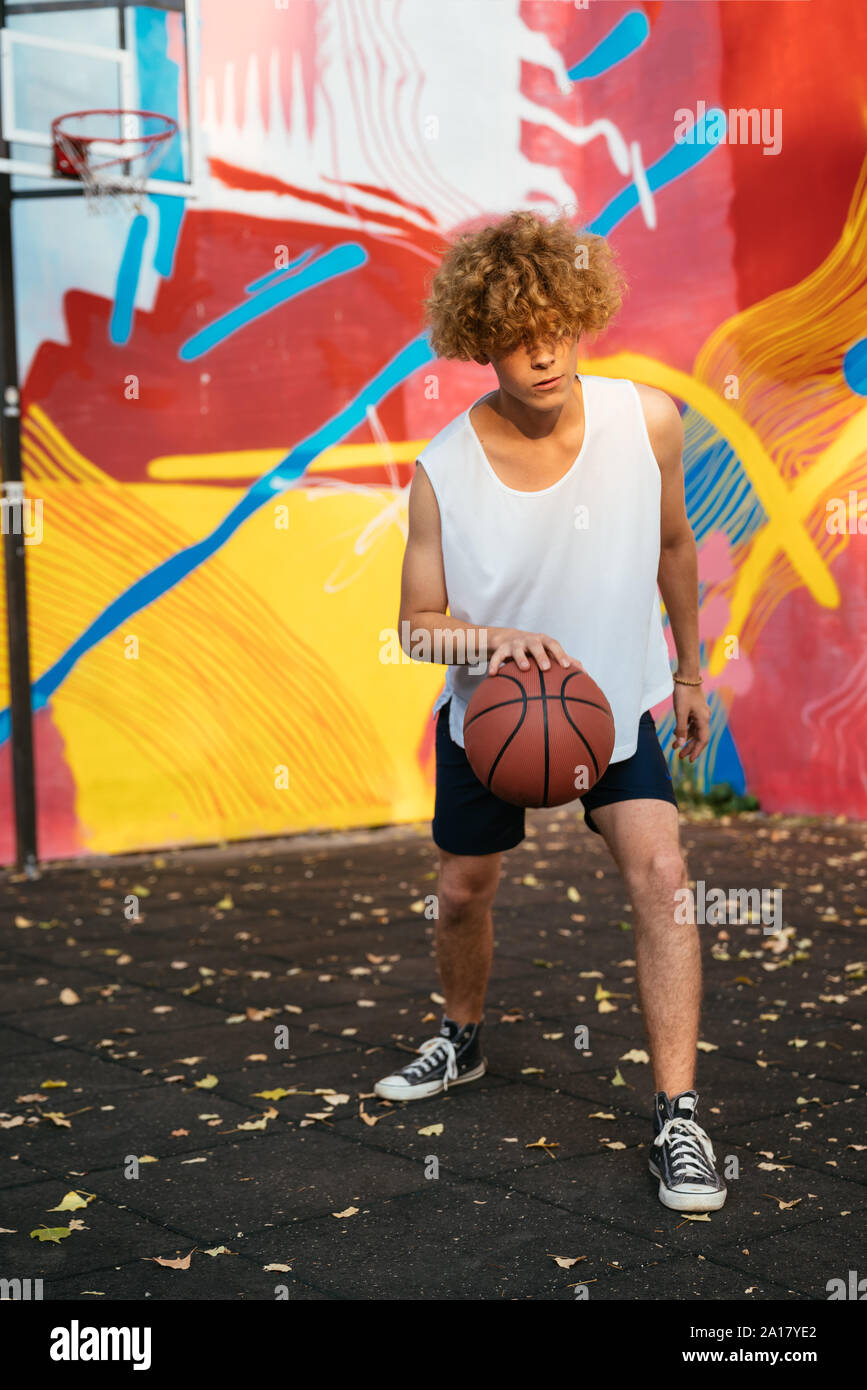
{"type": "Point", "coordinates": [468, 819]}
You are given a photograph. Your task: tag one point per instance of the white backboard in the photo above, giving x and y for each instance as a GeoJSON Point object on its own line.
{"type": "Point", "coordinates": [60, 56]}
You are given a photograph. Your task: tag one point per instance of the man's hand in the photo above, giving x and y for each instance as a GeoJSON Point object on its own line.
{"type": "Point", "coordinates": [691, 712]}
{"type": "Point", "coordinates": [512, 642]}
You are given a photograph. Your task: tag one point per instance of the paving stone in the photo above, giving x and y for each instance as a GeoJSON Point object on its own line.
{"type": "Point", "coordinates": [488, 1133]}
{"type": "Point", "coordinates": [135, 1121]}
{"type": "Point", "coordinates": [86, 1078]}
{"type": "Point", "coordinates": [809, 1255]}
{"type": "Point", "coordinates": [462, 1242]}
{"type": "Point", "coordinates": [829, 1140]}
{"type": "Point", "coordinates": [14, 1043]}
{"type": "Point", "coordinates": [217, 1279]}
{"type": "Point", "coordinates": [111, 1235]}
{"type": "Point", "coordinates": [686, 1279]}
{"type": "Point", "coordinates": [615, 1186]}
{"type": "Point", "coordinates": [131, 1008]}
{"type": "Point", "coordinates": [283, 1176]}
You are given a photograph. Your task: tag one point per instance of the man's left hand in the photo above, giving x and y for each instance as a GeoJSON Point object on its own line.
{"type": "Point", "coordinates": [692, 714]}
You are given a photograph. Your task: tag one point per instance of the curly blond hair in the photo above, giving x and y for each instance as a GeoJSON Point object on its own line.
{"type": "Point", "coordinates": [522, 280]}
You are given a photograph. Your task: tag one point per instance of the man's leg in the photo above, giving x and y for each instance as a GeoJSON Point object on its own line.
{"type": "Point", "coordinates": [643, 838]}
{"type": "Point", "coordinates": [465, 931]}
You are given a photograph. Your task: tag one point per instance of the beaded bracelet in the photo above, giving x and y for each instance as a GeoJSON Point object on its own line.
{"type": "Point", "coordinates": [680, 681]}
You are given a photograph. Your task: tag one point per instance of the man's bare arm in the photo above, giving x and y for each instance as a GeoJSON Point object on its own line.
{"type": "Point", "coordinates": [677, 575]}
{"type": "Point", "coordinates": [424, 600]}
{"type": "Point", "coordinates": [678, 558]}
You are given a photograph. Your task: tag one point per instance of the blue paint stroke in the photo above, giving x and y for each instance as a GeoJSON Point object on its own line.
{"type": "Point", "coordinates": [149, 587]}
{"type": "Point", "coordinates": [158, 78]}
{"type": "Point", "coordinates": [278, 274]}
{"type": "Point", "coordinates": [676, 162]}
{"type": "Point", "coordinates": [128, 272]}
{"type": "Point", "coordinates": [170, 211]}
{"type": "Point", "coordinates": [338, 261]}
{"type": "Point", "coordinates": [625, 38]}
{"type": "Point", "coordinates": [855, 367]}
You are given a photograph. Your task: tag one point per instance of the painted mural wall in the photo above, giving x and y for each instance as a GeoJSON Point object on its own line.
{"type": "Point", "coordinates": [224, 398]}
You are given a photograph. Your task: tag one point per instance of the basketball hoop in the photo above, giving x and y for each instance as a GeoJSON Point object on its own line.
{"type": "Point", "coordinates": [111, 153]}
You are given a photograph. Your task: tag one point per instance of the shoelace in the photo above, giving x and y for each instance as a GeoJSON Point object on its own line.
{"type": "Point", "coordinates": [692, 1155]}
{"type": "Point", "coordinates": [433, 1052]}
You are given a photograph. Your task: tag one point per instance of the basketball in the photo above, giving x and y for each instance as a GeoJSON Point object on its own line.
{"type": "Point", "coordinates": [538, 738]}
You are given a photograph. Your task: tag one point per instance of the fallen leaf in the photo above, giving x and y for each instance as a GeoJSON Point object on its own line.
{"type": "Point", "coordinates": [74, 1201]}
{"type": "Point", "coordinates": [55, 1234]}
{"type": "Point", "coordinates": [546, 1144]}
{"type": "Point", "coordinates": [350, 1211]}
{"type": "Point", "coordinates": [69, 996]}
{"type": "Point", "coordinates": [567, 1261]}
{"type": "Point", "coordinates": [207, 1083]}
{"type": "Point", "coordinates": [431, 1130]}
{"type": "Point", "coordinates": [636, 1055]}
{"type": "Point", "coordinates": [783, 1206]}
{"type": "Point", "coordinates": [182, 1262]}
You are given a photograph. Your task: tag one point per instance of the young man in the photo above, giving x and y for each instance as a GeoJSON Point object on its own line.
{"type": "Point", "coordinates": [494, 538]}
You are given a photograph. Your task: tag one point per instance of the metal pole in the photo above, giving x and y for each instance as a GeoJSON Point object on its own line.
{"type": "Point", "coordinates": [23, 781]}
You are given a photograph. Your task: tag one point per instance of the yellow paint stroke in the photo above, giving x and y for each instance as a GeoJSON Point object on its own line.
{"type": "Point", "coordinates": [252, 463]}
{"type": "Point", "coordinates": [810, 489]}
{"type": "Point", "coordinates": [784, 527]}
{"type": "Point", "coordinates": [185, 742]}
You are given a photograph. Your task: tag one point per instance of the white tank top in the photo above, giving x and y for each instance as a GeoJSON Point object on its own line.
{"type": "Point", "coordinates": [577, 560]}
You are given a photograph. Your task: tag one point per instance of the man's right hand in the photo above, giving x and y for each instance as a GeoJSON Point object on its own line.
{"type": "Point", "coordinates": [513, 642]}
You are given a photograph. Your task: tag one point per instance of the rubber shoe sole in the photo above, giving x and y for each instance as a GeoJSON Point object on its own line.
{"type": "Point", "coordinates": [425, 1089]}
{"type": "Point", "coordinates": [687, 1201]}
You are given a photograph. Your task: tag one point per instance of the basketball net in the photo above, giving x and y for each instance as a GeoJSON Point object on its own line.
{"type": "Point", "coordinates": [112, 168]}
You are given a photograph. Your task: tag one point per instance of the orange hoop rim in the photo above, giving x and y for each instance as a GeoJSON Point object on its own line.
{"type": "Point", "coordinates": [81, 143]}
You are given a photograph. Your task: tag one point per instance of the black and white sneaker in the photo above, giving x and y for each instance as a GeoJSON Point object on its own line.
{"type": "Point", "coordinates": [451, 1059]}
{"type": "Point", "coordinates": [682, 1157]}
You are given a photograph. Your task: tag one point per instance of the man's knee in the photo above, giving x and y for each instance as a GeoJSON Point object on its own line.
{"type": "Point", "coordinates": [467, 885]}
{"type": "Point", "coordinates": [658, 877]}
